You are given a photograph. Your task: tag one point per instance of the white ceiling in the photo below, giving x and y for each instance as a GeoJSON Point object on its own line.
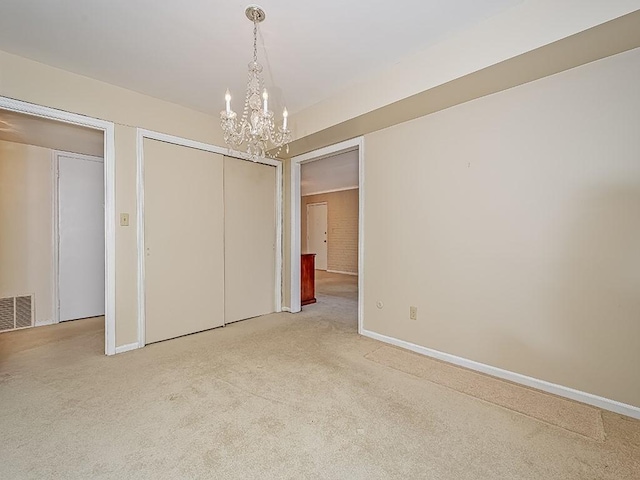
{"type": "Point", "coordinates": [339, 172]}
{"type": "Point", "coordinates": [42, 132]}
{"type": "Point", "coordinates": [189, 52]}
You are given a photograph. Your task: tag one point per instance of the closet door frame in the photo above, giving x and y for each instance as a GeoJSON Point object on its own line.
{"type": "Point", "coordinates": [141, 135]}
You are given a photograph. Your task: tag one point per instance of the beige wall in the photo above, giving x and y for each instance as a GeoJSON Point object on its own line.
{"type": "Point", "coordinates": [528, 26]}
{"type": "Point", "coordinates": [342, 225]}
{"type": "Point", "coordinates": [513, 222]}
{"type": "Point", "coordinates": [41, 84]}
{"type": "Point", "coordinates": [37, 83]}
{"type": "Point", "coordinates": [126, 237]}
{"type": "Point", "coordinates": [26, 225]}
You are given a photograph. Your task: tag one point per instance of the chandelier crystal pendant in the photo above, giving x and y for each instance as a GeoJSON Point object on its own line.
{"type": "Point", "coordinates": [256, 128]}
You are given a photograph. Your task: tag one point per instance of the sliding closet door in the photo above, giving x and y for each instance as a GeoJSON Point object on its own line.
{"type": "Point", "coordinates": [250, 239]}
{"type": "Point", "coordinates": [184, 250]}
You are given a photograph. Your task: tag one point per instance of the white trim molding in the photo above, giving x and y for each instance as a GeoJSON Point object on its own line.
{"type": "Point", "coordinates": [560, 390]}
{"type": "Point", "coordinates": [185, 142]}
{"type": "Point", "coordinates": [109, 198]}
{"type": "Point", "coordinates": [346, 146]}
{"type": "Point", "coordinates": [295, 235]}
{"type": "Point", "coordinates": [140, 237]}
{"type": "Point", "coordinates": [55, 170]}
{"type": "Point", "coordinates": [279, 234]}
{"type": "Point", "coordinates": [56, 154]}
{"type": "Point", "coordinates": [335, 190]}
{"type": "Point", "coordinates": [126, 348]}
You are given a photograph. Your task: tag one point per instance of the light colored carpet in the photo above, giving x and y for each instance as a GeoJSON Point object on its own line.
{"type": "Point", "coordinates": [573, 416]}
{"type": "Point", "coordinates": [277, 397]}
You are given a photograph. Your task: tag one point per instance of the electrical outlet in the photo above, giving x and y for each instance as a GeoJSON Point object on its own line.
{"type": "Point", "coordinates": [413, 313]}
{"type": "Point", "coordinates": [124, 219]}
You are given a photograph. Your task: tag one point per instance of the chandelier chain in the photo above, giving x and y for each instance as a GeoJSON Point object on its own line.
{"type": "Point", "coordinates": [255, 40]}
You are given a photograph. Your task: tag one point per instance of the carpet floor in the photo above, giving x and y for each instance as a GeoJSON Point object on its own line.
{"type": "Point", "coordinates": [282, 397]}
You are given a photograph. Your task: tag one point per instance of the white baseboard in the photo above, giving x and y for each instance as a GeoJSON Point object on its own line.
{"type": "Point", "coordinates": [562, 391]}
{"type": "Point", "coordinates": [44, 323]}
{"type": "Point", "coordinates": [286, 309]}
{"type": "Point", "coordinates": [343, 273]}
{"type": "Point", "coordinates": [127, 347]}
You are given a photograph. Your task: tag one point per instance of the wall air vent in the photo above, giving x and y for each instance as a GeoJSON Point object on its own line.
{"type": "Point", "coordinates": [16, 312]}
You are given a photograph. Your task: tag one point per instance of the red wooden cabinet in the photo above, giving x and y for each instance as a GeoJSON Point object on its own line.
{"type": "Point", "coordinates": [308, 279]}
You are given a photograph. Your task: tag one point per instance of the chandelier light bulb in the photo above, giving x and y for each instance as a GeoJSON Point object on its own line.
{"type": "Point", "coordinates": [227, 99]}
{"type": "Point", "coordinates": [285, 114]}
{"type": "Point", "coordinates": [265, 97]}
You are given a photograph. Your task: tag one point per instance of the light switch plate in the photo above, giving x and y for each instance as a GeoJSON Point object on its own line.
{"type": "Point", "coordinates": [124, 219]}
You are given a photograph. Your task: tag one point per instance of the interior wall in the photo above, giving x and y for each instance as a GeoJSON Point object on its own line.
{"type": "Point", "coordinates": [34, 82]}
{"type": "Point", "coordinates": [513, 222]}
{"type": "Point", "coordinates": [26, 225]}
{"type": "Point", "coordinates": [42, 84]}
{"type": "Point", "coordinates": [529, 25]}
{"type": "Point", "coordinates": [342, 225]}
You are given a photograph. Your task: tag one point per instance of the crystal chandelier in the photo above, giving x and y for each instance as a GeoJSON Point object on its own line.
{"type": "Point", "coordinates": [256, 127]}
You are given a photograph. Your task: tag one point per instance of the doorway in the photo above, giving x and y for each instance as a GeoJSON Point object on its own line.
{"type": "Point", "coordinates": [80, 235]}
{"type": "Point", "coordinates": [344, 272]}
{"type": "Point", "coordinates": [50, 123]}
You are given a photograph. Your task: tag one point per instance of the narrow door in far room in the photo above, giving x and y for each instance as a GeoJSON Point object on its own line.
{"type": "Point", "coordinates": [317, 233]}
{"type": "Point", "coordinates": [81, 236]}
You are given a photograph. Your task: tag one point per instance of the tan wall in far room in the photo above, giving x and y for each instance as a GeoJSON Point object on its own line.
{"type": "Point", "coordinates": [342, 224]}
{"type": "Point", "coordinates": [26, 225]}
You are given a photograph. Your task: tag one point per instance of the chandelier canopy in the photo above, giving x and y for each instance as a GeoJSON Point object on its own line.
{"type": "Point", "coordinates": [256, 128]}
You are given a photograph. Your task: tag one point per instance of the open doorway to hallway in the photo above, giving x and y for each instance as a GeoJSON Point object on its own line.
{"type": "Point", "coordinates": [52, 223]}
{"type": "Point", "coordinates": [326, 228]}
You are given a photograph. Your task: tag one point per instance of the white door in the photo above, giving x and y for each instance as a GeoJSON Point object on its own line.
{"type": "Point", "coordinates": [317, 233]}
{"type": "Point", "coordinates": [184, 240]}
{"type": "Point", "coordinates": [81, 236]}
{"type": "Point", "coordinates": [250, 239]}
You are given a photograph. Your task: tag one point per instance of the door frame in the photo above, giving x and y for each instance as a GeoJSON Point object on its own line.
{"type": "Point", "coordinates": [141, 134]}
{"type": "Point", "coordinates": [296, 200]}
{"type": "Point", "coordinates": [327, 220]}
{"type": "Point", "coordinates": [55, 155]}
{"type": "Point", "coordinates": [108, 129]}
